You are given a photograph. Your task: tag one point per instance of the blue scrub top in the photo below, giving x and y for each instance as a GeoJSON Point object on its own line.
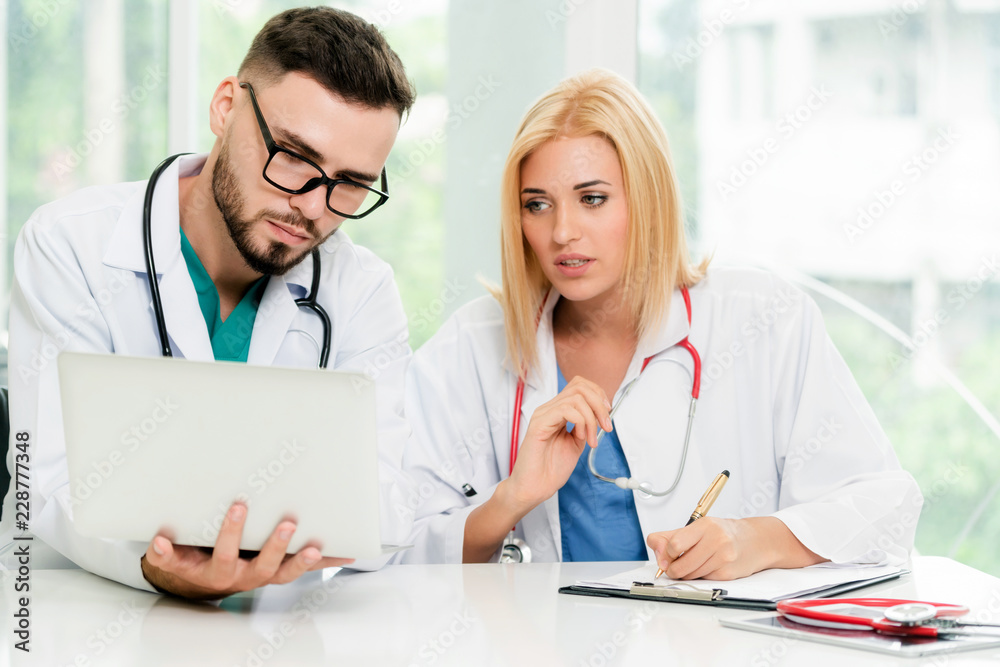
{"type": "Point", "coordinates": [230, 339]}
{"type": "Point", "coordinates": [597, 519]}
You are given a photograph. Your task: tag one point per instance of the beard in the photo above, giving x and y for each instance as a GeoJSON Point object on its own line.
{"type": "Point", "coordinates": [270, 258]}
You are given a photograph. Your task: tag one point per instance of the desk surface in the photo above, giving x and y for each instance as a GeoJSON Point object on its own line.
{"type": "Point", "coordinates": [438, 615]}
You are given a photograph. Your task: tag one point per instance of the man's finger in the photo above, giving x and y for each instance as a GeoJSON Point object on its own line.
{"type": "Point", "coordinates": [294, 568]}
{"type": "Point", "coordinates": [227, 545]}
{"type": "Point", "coordinates": [271, 556]}
{"type": "Point", "coordinates": [160, 552]}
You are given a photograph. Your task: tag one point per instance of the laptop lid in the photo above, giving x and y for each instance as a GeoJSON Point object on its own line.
{"type": "Point", "coordinates": [169, 443]}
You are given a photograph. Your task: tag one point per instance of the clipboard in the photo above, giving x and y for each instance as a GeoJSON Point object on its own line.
{"type": "Point", "coordinates": [714, 594]}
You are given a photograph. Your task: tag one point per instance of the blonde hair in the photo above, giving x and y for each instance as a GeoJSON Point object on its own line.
{"type": "Point", "coordinates": [598, 102]}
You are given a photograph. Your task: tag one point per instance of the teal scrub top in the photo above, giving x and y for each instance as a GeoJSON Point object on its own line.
{"type": "Point", "coordinates": [230, 339]}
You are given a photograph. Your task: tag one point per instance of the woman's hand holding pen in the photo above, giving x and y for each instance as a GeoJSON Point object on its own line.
{"type": "Point", "coordinates": [709, 548]}
{"type": "Point", "coordinates": [548, 452]}
{"type": "Point", "coordinates": [722, 549]}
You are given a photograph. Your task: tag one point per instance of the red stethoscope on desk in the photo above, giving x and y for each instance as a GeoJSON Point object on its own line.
{"type": "Point", "coordinates": [514, 549]}
{"type": "Point", "coordinates": [903, 618]}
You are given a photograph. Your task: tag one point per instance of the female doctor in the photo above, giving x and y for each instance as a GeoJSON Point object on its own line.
{"type": "Point", "coordinates": [599, 308]}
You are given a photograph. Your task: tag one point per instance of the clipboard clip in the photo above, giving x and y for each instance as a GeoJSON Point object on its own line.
{"type": "Point", "coordinates": [676, 591]}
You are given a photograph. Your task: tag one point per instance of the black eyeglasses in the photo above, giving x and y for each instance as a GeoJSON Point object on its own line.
{"type": "Point", "coordinates": [295, 174]}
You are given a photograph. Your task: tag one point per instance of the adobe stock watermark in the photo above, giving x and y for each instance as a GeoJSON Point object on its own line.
{"type": "Point", "coordinates": [382, 16]}
{"type": "Point", "coordinates": [990, 612]}
{"type": "Point", "coordinates": [756, 158]}
{"type": "Point", "coordinates": [131, 440]}
{"type": "Point", "coordinates": [751, 330]}
{"type": "Point", "coordinates": [386, 354]}
{"type": "Point", "coordinates": [103, 638]}
{"type": "Point", "coordinates": [447, 473]}
{"type": "Point", "coordinates": [710, 31]}
{"type": "Point", "coordinates": [434, 648]}
{"type": "Point", "coordinates": [86, 311]}
{"type": "Point", "coordinates": [424, 318]}
{"type": "Point", "coordinates": [427, 316]}
{"type": "Point", "coordinates": [912, 170]}
{"type": "Point", "coordinates": [898, 17]}
{"type": "Point", "coordinates": [764, 497]}
{"type": "Point", "coordinates": [226, 7]}
{"type": "Point", "coordinates": [775, 653]}
{"type": "Point", "coordinates": [458, 113]}
{"type": "Point", "coordinates": [909, 516]}
{"type": "Point", "coordinates": [605, 653]}
{"type": "Point", "coordinates": [25, 32]}
{"type": "Point", "coordinates": [957, 298]}
{"type": "Point", "coordinates": [311, 601]}
{"type": "Point", "coordinates": [562, 13]}
{"type": "Point", "coordinates": [259, 480]}
{"type": "Point", "coordinates": [120, 110]}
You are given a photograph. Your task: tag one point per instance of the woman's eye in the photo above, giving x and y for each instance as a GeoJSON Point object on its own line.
{"type": "Point", "coordinates": [534, 206]}
{"type": "Point", "coordinates": [594, 200]}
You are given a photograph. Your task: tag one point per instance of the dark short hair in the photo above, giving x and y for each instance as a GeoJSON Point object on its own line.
{"type": "Point", "coordinates": [344, 53]}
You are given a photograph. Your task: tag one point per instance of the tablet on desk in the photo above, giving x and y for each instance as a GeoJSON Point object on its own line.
{"type": "Point", "coordinates": [865, 639]}
{"type": "Point", "coordinates": [160, 443]}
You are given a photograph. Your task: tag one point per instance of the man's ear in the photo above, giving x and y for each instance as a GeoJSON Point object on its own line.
{"type": "Point", "coordinates": [222, 105]}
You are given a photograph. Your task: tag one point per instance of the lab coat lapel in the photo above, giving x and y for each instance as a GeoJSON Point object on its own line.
{"type": "Point", "coordinates": [541, 386]}
{"type": "Point", "coordinates": [653, 448]}
{"type": "Point", "coordinates": [185, 322]}
{"type": "Point", "coordinates": [186, 326]}
{"type": "Point", "coordinates": [277, 312]}
{"type": "Point", "coordinates": [667, 333]}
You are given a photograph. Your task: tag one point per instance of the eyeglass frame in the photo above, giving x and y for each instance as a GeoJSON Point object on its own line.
{"type": "Point", "coordinates": [273, 149]}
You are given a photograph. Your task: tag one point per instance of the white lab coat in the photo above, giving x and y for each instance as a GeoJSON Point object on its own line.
{"type": "Point", "coordinates": [778, 408]}
{"type": "Point", "coordinates": [80, 284]}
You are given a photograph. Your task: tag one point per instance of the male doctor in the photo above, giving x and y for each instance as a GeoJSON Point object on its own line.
{"type": "Point", "coordinates": [302, 137]}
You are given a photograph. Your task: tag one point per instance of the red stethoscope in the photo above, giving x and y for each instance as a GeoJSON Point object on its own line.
{"type": "Point", "coordinates": [514, 549]}
{"type": "Point", "coordinates": [904, 618]}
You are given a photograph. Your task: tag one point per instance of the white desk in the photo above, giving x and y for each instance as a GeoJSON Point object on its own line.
{"type": "Point", "coordinates": [438, 615]}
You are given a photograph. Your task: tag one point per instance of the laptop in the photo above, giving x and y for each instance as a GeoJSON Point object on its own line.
{"type": "Point", "coordinates": [165, 443]}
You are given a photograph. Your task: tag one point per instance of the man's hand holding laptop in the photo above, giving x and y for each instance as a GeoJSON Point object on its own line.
{"type": "Point", "coordinates": [200, 573]}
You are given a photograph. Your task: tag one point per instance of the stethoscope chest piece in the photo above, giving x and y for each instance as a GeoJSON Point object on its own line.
{"type": "Point", "coordinates": [911, 613]}
{"type": "Point", "coordinates": [515, 550]}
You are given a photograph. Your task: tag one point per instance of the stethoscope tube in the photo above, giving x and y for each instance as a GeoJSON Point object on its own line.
{"type": "Point", "coordinates": [626, 482]}
{"type": "Point", "coordinates": [514, 549]}
{"type": "Point", "coordinates": [147, 242]}
{"type": "Point", "coordinates": [630, 482]}
{"type": "Point", "coordinates": [309, 301]}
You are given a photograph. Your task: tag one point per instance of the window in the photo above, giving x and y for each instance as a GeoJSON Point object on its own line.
{"type": "Point", "coordinates": [88, 105]}
{"type": "Point", "coordinates": [85, 104]}
{"type": "Point", "coordinates": [872, 180]}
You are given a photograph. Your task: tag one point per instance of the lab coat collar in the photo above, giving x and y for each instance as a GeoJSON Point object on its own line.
{"type": "Point", "coordinates": [277, 310]}
{"type": "Point", "coordinates": [126, 250]}
{"type": "Point", "coordinates": [186, 326]}
{"type": "Point", "coordinates": [542, 384]}
{"type": "Point", "coordinates": [666, 334]}
{"type": "Point", "coordinates": [185, 323]}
